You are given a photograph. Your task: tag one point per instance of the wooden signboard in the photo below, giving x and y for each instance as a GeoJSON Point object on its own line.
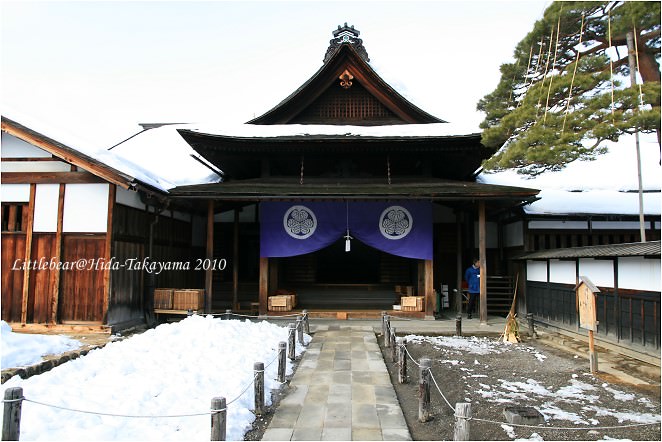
{"type": "Point", "coordinates": [586, 300]}
{"type": "Point", "coordinates": [586, 291]}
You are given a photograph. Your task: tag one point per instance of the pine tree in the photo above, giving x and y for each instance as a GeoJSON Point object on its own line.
{"type": "Point", "coordinates": [554, 104]}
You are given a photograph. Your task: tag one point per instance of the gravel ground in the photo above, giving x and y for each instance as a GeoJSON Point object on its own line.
{"type": "Point", "coordinates": [491, 376]}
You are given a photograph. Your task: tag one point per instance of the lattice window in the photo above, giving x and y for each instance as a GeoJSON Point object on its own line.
{"type": "Point", "coordinates": [14, 217]}
{"type": "Point", "coordinates": [338, 105]}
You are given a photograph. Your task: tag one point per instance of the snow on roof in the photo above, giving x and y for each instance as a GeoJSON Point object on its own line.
{"type": "Point", "coordinates": [303, 130]}
{"type": "Point", "coordinates": [160, 159]}
{"type": "Point", "coordinates": [165, 154]}
{"type": "Point", "coordinates": [608, 202]}
{"type": "Point", "coordinates": [603, 186]}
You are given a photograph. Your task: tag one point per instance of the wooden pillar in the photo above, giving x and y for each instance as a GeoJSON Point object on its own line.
{"type": "Point", "coordinates": [428, 284]}
{"type": "Point", "coordinates": [483, 262]}
{"type": "Point", "coordinates": [420, 278]}
{"type": "Point", "coordinates": [264, 284]}
{"type": "Point", "coordinates": [112, 188]}
{"type": "Point", "coordinates": [57, 254]}
{"type": "Point", "coordinates": [210, 255]}
{"type": "Point", "coordinates": [28, 254]}
{"type": "Point", "coordinates": [235, 262]}
{"type": "Point", "coordinates": [458, 263]}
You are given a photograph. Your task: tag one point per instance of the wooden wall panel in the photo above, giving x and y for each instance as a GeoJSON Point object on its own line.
{"type": "Point", "coordinates": [82, 291]}
{"type": "Point", "coordinates": [13, 248]}
{"type": "Point", "coordinates": [126, 291]}
{"type": "Point", "coordinates": [41, 279]}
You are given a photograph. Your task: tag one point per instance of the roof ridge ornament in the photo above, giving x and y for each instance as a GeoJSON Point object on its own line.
{"type": "Point", "coordinates": [346, 35]}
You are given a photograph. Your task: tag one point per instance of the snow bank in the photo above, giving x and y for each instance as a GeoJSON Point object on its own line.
{"type": "Point", "coordinates": [26, 349]}
{"type": "Point", "coordinates": [472, 344]}
{"type": "Point", "coordinates": [173, 369]}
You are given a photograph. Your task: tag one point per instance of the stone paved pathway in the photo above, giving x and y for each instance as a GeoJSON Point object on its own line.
{"type": "Point", "coordinates": [340, 391]}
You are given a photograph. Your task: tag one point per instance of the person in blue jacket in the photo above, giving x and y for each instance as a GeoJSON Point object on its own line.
{"type": "Point", "coordinates": [472, 276]}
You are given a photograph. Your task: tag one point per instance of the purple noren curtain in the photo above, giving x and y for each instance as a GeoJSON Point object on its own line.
{"type": "Point", "coordinates": [401, 228]}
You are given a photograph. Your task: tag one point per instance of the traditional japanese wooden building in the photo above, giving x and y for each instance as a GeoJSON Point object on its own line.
{"type": "Point", "coordinates": [347, 162]}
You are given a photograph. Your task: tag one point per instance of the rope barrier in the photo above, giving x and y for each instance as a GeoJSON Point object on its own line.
{"type": "Point", "coordinates": [439, 390]}
{"type": "Point", "coordinates": [538, 427]}
{"type": "Point", "coordinates": [75, 410]}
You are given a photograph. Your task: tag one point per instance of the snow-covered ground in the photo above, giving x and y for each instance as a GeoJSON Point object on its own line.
{"type": "Point", "coordinates": [26, 349]}
{"type": "Point", "coordinates": [174, 369]}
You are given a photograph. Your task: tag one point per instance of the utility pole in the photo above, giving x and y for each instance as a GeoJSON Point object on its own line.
{"type": "Point", "coordinates": [633, 82]}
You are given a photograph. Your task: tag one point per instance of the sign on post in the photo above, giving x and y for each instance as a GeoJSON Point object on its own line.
{"type": "Point", "coordinates": [586, 291]}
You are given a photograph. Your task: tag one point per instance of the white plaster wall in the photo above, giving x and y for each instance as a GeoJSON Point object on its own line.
{"type": "Point", "coordinates": [562, 272]}
{"type": "Point", "coordinates": [562, 225]}
{"type": "Point", "coordinates": [15, 193]}
{"type": "Point", "coordinates": [45, 207]}
{"type": "Point", "coordinates": [514, 234]}
{"type": "Point", "coordinates": [34, 166]}
{"type": "Point", "coordinates": [536, 271]}
{"type": "Point", "coordinates": [13, 147]}
{"type": "Point", "coordinates": [600, 272]}
{"type": "Point", "coordinates": [638, 273]}
{"type": "Point", "coordinates": [618, 225]}
{"type": "Point", "coordinates": [128, 198]}
{"type": "Point", "coordinates": [85, 208]}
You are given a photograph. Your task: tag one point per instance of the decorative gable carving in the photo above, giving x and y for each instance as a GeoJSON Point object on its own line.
{"type": "Point", "coordinates": [347, 105]}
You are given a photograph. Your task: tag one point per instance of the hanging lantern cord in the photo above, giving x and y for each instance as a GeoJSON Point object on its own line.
{"type": "Point", "coordinates": [388, 168]}
{"type": "Point", "coordinates": [301, 178]}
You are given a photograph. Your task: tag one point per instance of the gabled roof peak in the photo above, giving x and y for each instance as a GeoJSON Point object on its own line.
{"type": "Point", "coordinates": [346, 35]}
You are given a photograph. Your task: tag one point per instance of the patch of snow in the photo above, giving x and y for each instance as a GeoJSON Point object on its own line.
{"type": "Point", "coordinates": [619, 395]}
{"type": "Point", "coordinates": [170, 370]}
{"type": "Point", "coordinates": [576, 390]}
{"type": "Point", "coordinates": [471, 344]}
{"type": "Point", "coordinates": [308, 130]}
{"type": "Point", "coordinates": [550, 411]}
{"type": "Point", "coordinates": [534, 437]}
{"type": "Point", "coordinates": [510, 431]}
{"type": "Point", "coordinates": [614, 438]}
{"type": "Point", "coordinates": [622, 416]}
{"type": "Point", "coordinates": [452, 362]}
{"type": "Point", "coordinates": [479, 376]}
{"type": "Point", "coordinates": [20, 349]}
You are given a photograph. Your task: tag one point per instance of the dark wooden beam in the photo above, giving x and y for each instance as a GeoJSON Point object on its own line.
{"type": "Point", "coordinates": [61, 151]}
{"type": "Point", "coordinates": [28, 254]}
{"type": "Point", "coordinates": [49, 178]}
{"type": "Point", "coordinates": [55, 297]}
{"type": "Point", "coordinates": [210, 256]}
{"type": "Point", "coordinates": [483, 261]}
{"type": "Point", "coordinates": [428, 284]}
{"type": "Point", "coordinates": [264, 285]}
{"type": "Point", "coordinates": [108, 252]}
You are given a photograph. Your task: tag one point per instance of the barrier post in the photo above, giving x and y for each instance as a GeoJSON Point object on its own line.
{"type": "Point", "coordinates": [282, 349]}
{"type": "Point", "coordinates": [258, 387]}
{"type": "Point", "coordinates": [424, 390]}
{"type": "Point", "coordinates": [218, 418]}
{"type": "Point", "coordinates": [394, 348]}
{"type": "Point", "coordinates": [458, 325]}
{"type": "Point", "coordinates": [291, 350]}
{"type": "Point", "coordinates": [402, 361]}
{"type": "Point", "coordinates": [11, 416]}
{"type": "Point", "coordinates": [462, 422]}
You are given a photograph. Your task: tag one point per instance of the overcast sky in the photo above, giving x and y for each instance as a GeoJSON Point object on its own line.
{"type": "Point", "coordinates": [98, 68]}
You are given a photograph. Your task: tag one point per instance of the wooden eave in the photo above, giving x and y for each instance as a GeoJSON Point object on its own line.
{"type": "Point", "coordinates": [345, 57]}
{"type": "Point", "coordinates": [357, 189]}
{"type": "Point", "coordinates": [67, 154]}
{"type": "Point", "coordinates": [205, 143]}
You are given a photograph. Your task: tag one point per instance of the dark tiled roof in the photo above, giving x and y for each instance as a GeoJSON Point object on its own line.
{"type": "Point", "coordinates": [651, 248]}
{"type": "Point", "coordinates": [274, 188]}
